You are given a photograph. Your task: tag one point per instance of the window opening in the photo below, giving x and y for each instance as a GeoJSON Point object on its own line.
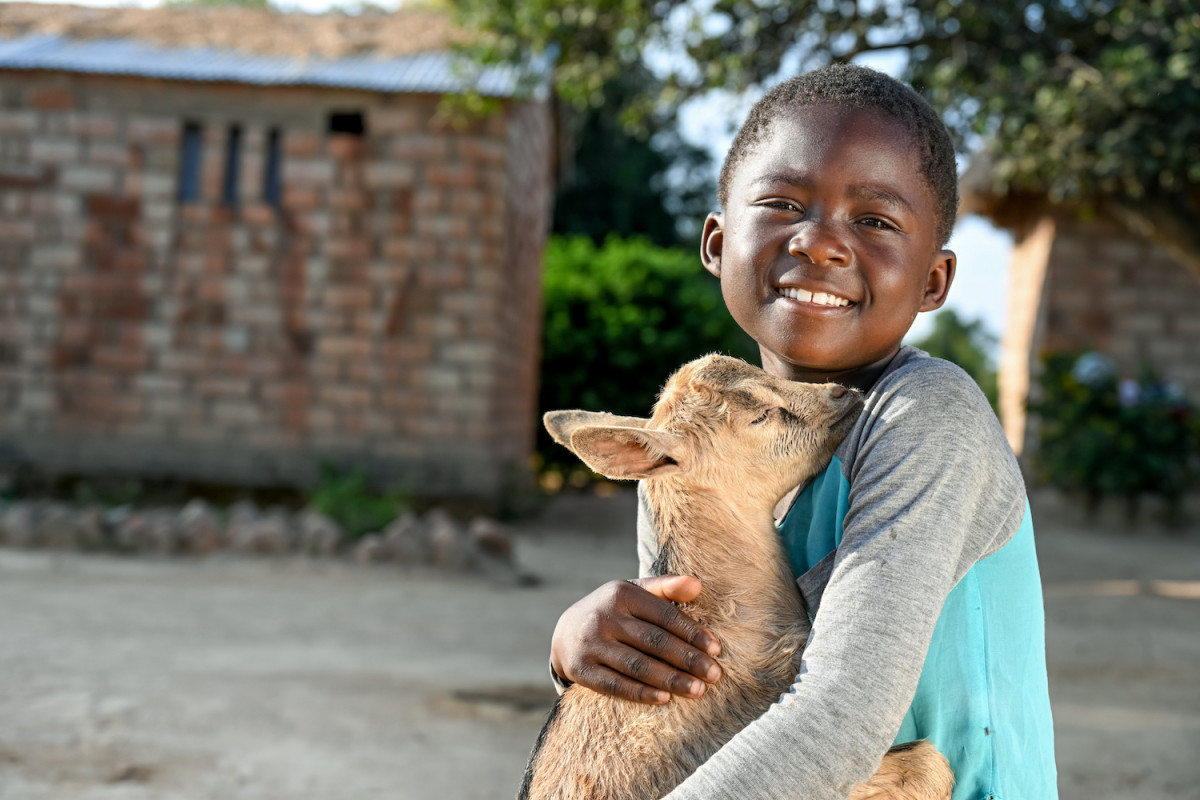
{"type": "Point", "coordinates": [347, 122]}
{"type": "Point", "coordinates": [272, 191]}
{"type": "Point", "coordinates": [233, 158]}
{"type": "Point", "coordinates": [191, 149]}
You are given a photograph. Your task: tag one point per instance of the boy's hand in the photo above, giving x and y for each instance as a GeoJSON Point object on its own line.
{"type": "Point", "coordinates": [626, 639]}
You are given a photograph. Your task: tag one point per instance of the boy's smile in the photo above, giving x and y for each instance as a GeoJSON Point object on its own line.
{"type": "Point", "coordinates": [826, 248]}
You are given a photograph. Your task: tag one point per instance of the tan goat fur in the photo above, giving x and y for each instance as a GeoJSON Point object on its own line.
{"type": "Point", "coordinates": [725, 443]}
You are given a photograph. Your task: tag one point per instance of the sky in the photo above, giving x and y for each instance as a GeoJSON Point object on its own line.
{"type": "Point", "coordinates": [980, 287]}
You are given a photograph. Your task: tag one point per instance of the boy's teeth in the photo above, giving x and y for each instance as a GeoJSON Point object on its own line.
{"type": "Point", "coordinates": [819, 298]}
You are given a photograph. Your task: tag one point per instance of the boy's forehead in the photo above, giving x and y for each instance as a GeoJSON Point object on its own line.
{"type": "Point", "coordinates": [827, 124]}
{"type": "Point", "coordinates": [824, 132]}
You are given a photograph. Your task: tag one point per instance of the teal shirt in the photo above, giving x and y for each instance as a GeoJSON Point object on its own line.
{"type": "Point", "coordinates": [982, 697]}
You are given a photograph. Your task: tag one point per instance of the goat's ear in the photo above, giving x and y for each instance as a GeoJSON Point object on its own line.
{"type": "Point", "coordinates": [623, 453]}
{"type": "Point", "coordinates": [561, 424]}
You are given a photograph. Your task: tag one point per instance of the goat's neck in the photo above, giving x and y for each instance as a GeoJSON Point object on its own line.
{"type": "Point", "coordinates": [734, 549]}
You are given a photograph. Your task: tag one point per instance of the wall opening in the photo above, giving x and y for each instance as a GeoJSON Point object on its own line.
{"type": "Point", "coordinates": [233, 159]}
{"type": "Point", "coordinates": [191, 150]}
{"type": "Point", "coordinates": [272, 190]}
{"type": "Point", "coordinates": [351, 122]}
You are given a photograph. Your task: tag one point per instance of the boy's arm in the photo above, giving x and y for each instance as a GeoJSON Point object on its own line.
{"type": "Point", "coordinates": [926, 502]}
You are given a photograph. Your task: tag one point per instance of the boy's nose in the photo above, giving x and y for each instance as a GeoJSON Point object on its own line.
{"type": "Point", "coordinates": [816, 241]}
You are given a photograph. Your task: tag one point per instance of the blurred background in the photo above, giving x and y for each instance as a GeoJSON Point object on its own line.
{"type": "Point", "coordinates": [293, 283]}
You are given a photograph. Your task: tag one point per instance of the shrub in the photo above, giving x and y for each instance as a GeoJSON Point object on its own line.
{"type": "Point", "coordinates": [619, 319]}
{"type": "Point", "coordinates": [1105, 437]}
{"type": "Point", "coordinates": [346, 497]}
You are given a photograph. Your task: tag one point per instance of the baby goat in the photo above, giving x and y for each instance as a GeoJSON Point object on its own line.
{"type": "Point", "coordinates": [725, 443]}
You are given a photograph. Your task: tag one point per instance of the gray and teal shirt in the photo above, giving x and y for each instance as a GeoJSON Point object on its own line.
{"type": "Point", "coordinates": [916, 561]}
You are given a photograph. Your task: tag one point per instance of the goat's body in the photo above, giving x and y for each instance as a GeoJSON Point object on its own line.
{"type": "Point", "coordinates": [618, 750]}
{"type": "Point", "coordinates": [596, 747]}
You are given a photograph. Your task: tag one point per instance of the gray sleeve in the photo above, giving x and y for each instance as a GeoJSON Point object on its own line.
{"type": "Point", "coordinates": [934, 488]}
{"type": "Point", "coordinates": [647, 538]}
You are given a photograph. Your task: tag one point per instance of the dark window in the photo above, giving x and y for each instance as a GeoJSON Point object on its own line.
{"type": "Point", "coordinates": [233, 159]}
{"type": "Point", "coordinates": [272, 162]}
{"type": "Point", "coordinates": [347, 122]}
{"type": "Point", "coordinates": [191, 150]}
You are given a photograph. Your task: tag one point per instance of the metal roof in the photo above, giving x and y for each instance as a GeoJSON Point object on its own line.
{"type": "Point", "coordinates": [433, 72]}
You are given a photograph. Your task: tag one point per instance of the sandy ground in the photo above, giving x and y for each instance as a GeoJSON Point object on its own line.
{"type": "Point", "coordinates": [128, 678]}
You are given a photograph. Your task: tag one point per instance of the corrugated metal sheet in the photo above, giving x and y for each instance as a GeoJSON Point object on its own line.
{"type": "Point", "coordinates": [426, 72]}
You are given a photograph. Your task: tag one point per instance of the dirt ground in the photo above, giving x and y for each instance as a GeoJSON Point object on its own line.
{"type": "Point", "coordinates": [135, 678]}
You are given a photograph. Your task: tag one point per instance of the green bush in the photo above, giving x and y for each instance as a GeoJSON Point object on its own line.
{"type": "Point", "coordinates": [1101, 437]}
{"type": "Point", "coordinates": [619, 319]}
{"type": "Point", "coordinates": [346, 497]}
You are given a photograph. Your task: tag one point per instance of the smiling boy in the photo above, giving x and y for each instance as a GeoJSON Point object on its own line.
{"type": "Point", "coordinates": [914, 549]}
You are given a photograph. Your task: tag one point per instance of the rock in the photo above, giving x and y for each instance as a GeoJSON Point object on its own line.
{"type": "Point", "coordinates": [368, 548]}
{"type": "Point", "coordinates": [240, 530]}
{"type": "Point", "coordinates": [129, 529]}
{"type": "Point", "coordinates": [17, 525]}
{"type": "Point", "coordinates": [90, 529]}
{"type": "Point", "coordinates": [54, 526]}
{"type": "Point", "coordinates": [161, 533]}
{"type": "Point", "coordinates": [448, 544]}
{"type": "Point", "coordinates": [272, 533]}
{"type": "Point", "coordinates": [407, 540]}
{"type": "Point", "coordinates": [317, 534]}
{"type": "Point", "coordinates": [199, 528]}
{"type": "Point", "coordinates": [491, 538]}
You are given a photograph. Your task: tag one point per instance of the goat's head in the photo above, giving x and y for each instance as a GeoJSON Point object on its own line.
{"type": "Point", "coordinates": [719, 423]}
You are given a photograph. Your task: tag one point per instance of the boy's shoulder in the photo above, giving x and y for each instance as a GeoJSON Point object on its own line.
{"type": "Point", "coordinates": [934, 385]}
{"type": "Point", "coordinates": [922, 397]}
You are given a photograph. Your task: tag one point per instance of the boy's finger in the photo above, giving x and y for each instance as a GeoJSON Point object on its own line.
{"type": "Point", "coordinates": [600, 678]}
{"type": "Point", "coordinates": [666, 615]}
{"type": "Point", "coordinates": [672, 654]}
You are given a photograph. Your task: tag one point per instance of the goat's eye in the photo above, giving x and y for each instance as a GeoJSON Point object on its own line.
{"type": "Point", "coordinates": [763, 417]}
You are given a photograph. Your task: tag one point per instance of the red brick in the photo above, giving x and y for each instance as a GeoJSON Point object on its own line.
{"type": "Point", "coordinates": [301, 144]}
{"type": "Point", "coordinates": [451, 177]}
{"type": "Point", "coordinates": [345, 146]}
{"type": "Point", "coordinates": [51, 98]}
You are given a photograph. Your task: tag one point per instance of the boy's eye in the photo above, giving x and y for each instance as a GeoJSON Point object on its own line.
{"type": "Point", "coordinates": [876, 222]}
{"type": "Point", "coordinates": [783, 205]}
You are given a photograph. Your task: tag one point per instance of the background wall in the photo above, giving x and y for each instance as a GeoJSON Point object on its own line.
{"type": "Point", "coordinates": [384, 310]}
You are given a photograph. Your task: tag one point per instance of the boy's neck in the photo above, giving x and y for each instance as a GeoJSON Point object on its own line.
{"type": "Point", "coordinates": [861, 377]}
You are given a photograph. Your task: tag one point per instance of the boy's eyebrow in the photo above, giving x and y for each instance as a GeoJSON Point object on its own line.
{"type": "Point", "coordinates": [865, 192]}
{"type": "Point", "coordinates": [859, 191]}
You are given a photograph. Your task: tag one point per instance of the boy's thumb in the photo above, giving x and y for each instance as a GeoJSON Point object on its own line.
{"type": "Point", "coordinates": [672, 588]}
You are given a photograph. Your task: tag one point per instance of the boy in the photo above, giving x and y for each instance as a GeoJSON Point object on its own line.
{"type": "Point", "coordinates": [914, 548]}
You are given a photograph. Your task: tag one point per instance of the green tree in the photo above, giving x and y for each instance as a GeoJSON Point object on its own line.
{"type": "Point", "coordinates": [1095, 103]}
{"type": "Point", "coordinates": [628, 181]}
{"type": "Point", "coordinates": [967, 344]}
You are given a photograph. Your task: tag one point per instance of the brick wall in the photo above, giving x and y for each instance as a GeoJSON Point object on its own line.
{"type": "Point", "coordinates": [1093, 286]}
{"type": "Point", "coordinates": [385, 314]}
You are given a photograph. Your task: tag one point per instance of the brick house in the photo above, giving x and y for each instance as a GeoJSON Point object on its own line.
{"type": "Point", "coordinates": [1079, 285]}
{"type": "Point", "coordinates": [236, 244]}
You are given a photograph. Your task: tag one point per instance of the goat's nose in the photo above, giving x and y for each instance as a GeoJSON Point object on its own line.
{"type": "Point", "coordinates": [838, 392]}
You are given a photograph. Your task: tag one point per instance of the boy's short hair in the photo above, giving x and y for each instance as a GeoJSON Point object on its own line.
{"type": "Point", "coordinates": [853, 86]}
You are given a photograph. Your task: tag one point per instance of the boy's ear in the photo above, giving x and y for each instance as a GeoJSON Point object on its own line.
{"type": "Point", "coordinates": [710, 243]}
{"type": "Point", "coordinates": [941, 275]}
